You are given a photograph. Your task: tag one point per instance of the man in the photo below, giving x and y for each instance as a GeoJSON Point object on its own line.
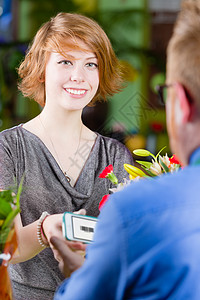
{"type": "Point", "coordinates": [147, 240]}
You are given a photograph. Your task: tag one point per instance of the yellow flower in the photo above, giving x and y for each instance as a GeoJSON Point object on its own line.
{"type": "Point", "coordinates": [142, 152]}
{"type": "Point", "coordinates": [134, 171]}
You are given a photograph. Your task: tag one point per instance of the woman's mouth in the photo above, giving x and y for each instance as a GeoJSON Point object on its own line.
{"type": "Point", "coordinates": [76, 92]}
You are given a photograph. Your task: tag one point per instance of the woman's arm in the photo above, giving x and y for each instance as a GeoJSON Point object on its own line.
{"type": "Point", "coordinates": [28, 244]}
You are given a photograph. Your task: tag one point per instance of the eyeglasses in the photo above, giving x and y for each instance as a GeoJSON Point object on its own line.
{"type": "Point", "coordinates": [162, 92]}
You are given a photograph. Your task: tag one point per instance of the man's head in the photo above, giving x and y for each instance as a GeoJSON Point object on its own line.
{"type": "Point", "coordinates": [183, 76]}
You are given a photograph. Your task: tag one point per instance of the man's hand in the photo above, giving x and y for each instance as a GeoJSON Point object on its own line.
{"type": "Point", "coordinates": [69, 260]}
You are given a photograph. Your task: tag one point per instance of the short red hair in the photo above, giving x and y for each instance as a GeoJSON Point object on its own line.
{"type": "Point", "coordinates": [63, 32]}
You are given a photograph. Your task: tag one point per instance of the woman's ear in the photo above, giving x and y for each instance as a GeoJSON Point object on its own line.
{"type": "Point", "coordinates": [41, 78]}
{"type": "Point", "coordinates": [184, 102]}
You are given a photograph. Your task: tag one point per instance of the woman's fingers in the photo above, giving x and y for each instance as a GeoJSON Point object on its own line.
{"type": "Point", "coordinates": [81, 211]}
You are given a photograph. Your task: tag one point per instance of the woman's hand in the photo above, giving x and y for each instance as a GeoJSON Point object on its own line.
{"type": "Point", "coordinates": [52, 225]}
{"type": "Point", "coordinates": [28, 244]}
{"type": "Point", "coordinates": [64, 251]}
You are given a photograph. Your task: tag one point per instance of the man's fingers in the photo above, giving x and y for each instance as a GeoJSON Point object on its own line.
{"type": "Point", "coordinates": [57, 255]}
{"type": "Point", "coordinates": [70, 261]}
{"type": "Point", "coordinates": [59, 245]}
{"type": "Point", "coordinates": [63, 249]}
{"type": "Point", "coordinates": [77, 245]}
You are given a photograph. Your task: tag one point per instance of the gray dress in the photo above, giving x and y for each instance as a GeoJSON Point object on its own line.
{"type": "Point", "coordinates": [45, 188]}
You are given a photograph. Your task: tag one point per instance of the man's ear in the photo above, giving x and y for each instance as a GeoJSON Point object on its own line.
{"type": "Point", "coordinates": [184, 102]}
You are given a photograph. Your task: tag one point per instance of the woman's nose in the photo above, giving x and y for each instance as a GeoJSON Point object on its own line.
{"type": "Point", "coordinates": [77, 75]}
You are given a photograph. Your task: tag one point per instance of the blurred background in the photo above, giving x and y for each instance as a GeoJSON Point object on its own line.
{"type": "Point", "coordinates": [139, 31]}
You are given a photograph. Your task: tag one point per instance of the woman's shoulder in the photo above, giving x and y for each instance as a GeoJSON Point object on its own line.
{"type": "Point", "coordinates": [10, 133]}
{"type": "Point", "coordinates": [116, 154]}
{"type": "Point", "coordinates": [114, 145]}
{"type": "Point", "coordinates": [109, 141]}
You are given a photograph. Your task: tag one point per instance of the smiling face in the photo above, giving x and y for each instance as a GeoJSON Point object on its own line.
{"type": "Point", "coordinates": [71, 80]}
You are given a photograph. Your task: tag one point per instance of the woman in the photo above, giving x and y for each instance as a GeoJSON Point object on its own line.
{"type": "Point", "coordinates": [69, 65]}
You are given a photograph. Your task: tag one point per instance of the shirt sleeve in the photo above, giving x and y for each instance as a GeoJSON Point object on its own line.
{"type": "Point", "coordinates": [7, 167]}
{"type": "Point", "coordinates": [101, 275]}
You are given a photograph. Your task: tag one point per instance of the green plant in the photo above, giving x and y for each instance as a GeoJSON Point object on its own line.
{"type": "Point", "coordinates": [9, 208]}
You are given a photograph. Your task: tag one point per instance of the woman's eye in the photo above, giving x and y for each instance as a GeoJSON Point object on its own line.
{"type": "Point", "coordinates": [92, 65]}
{"type": "Point", "coordinates": [65, 62]}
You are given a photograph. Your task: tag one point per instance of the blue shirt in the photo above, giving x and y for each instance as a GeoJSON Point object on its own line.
{"type": "Point", "coordinates": [146, 244]}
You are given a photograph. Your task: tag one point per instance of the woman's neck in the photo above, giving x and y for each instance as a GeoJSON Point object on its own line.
{"type": "Point", "coordinates": [65, 123]}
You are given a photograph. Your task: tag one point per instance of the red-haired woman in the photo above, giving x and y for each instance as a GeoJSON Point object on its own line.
{"type": "Point", "coordinates": [69, 65]}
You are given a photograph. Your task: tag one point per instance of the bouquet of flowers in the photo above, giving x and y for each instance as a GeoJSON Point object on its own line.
{"type": "Point", "coordinates": [158, 165]}
{"type": "Point", "coordinates": [9, 208]}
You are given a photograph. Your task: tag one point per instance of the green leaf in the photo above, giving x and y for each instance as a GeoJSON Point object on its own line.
{"type": "Point", "coordinates": [6, 195]}
{"type": "Point", "coordinates": [9, 208]}
{"type": "Point", "coordinates": [160, 152]}
{"type": "Point", "coordinates": [5, 209]}
{"type": "Point", "coordinates": [3, 235]}
{"type": "Point", "coordinates": [165, 168]}
{"type": "Point", "coordinates": [19, 192]}
{"type": "Point", "coordinates": [150, 173]}
{"type": "Point", "coordinates": [10, 218]}
{"type": "Point", "coordinates": [146, 164]}
{"type": "Point", "coordinates": [111, 176]}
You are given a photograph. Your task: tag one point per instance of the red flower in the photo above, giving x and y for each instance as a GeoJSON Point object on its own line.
{"type": "Point", "coordinates": [174, 160]}
{"type": "Point", "coordinates": [106, 171]}
{"type": "Point", "coordinates": [103, 201]}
